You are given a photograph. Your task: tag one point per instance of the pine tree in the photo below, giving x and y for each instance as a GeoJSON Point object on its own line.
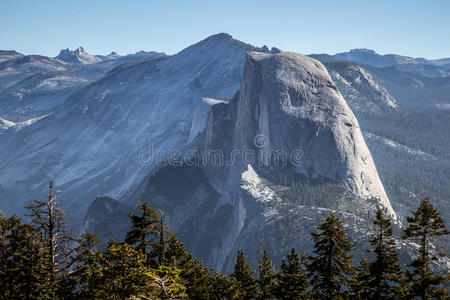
{"type": "Point", "coordinates": [49, 217]}
{"type": "Point", "coordinates": [192, 272]}
{"type": "Point", "coordinates": [162, 240]}
{"type": "Point", "coordinates": [150, 234]}
{"type": "Point", "coordinates": [362, 287]}
{"type": "Point", "coordinates": [243, 276]}
{"type": "Point", "coordinates": [176, 254]}
{"type": "Point", "coordinates": [221, 286]}
{"type": "Point", "coordinates": [25, 275]}
{"type": "Point", "coordinates": [292, 279]}
{"type": "Point", "coordinates": [4, 225]}
{"type": "Point", "coordinates": [424, 225]}
{"type": "Point", "coordinates": [403, 290]}
{"type": "Point", "coordinates": [144, 229]}
{"type": "Point", "coordinates": [84, 261]}
{"type": "Point", "coordinates": [267, 276]}
{"type": "Point", "coordinates": [330, 269]}
{"type": "Point", "coordinates": [384, 270]}
{"type": "Point", "coordinates": [119, 273]}
{"type": "Point", "coordinates": [196, 278]}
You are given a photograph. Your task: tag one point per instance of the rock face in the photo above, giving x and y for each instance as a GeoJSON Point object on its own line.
{"type": "Point", "coordinates": [291, 101]}
{"type": "Point", "coordinates": [361, 90]}
{"type": "Point", "coordinates": [108, 218]}
{"type": "Point", "coordinates": [294, 126]}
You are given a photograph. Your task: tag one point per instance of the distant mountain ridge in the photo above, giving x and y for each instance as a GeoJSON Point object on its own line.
{"type": "Point", "coordinates": [431, 68]}
{"type": "Point", "coordinates": [79, 56]}
{"type": "Point", "coordinates": [34, 85]}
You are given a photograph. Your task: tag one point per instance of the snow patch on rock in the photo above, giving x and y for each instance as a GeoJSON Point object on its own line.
{"type": "Point", "coordinates": [251, 182]}
{"type": "Point", "coordinates": [5, 124]}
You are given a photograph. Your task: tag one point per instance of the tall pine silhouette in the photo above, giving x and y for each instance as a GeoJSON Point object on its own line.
{"type": "Point", "coordinates": [292, 279]}
{"type": "Point", "coordinates": [330, 268]}
{"type": "Point", "coordinates": [376, 278]}
{"type": "Point", "coordinates": [243, 276]}
{"type": "Point", "coordinates": [267, 276]}
{"type": "Point", "coordinates": [424, 225]}
{"type": "Point", "coordinates": [144, 228]}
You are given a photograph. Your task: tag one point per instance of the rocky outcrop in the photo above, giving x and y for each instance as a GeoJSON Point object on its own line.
{"type": "Point", "coordinates": [78, 56]}
{"type": "Point", "coordinates": [108, 219]}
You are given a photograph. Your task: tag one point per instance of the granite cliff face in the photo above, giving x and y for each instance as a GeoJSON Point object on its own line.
{"type": "Point", "coordinates": [287, 126]}
{"type": "Point", "coordinates": [291, 101]}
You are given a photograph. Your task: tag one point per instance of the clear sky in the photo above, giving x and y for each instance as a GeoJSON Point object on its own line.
{"type": "Point", "coordinates": [414, 28]}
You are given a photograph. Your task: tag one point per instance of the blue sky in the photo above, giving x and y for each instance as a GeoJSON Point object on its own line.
{"type": "Point", "coordinates": [414, 28]}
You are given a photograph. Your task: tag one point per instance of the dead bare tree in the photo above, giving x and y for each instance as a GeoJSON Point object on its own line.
{"type": "Point", "coordinates": [50, 218]}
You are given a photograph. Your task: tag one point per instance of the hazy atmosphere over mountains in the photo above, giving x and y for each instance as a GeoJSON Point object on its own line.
{"type": "Point", "coordinates": [205, 150]}
{"type": "Point", "coordinates": [235, 143]}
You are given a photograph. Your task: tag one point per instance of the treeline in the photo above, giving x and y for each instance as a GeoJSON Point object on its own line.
{"type": "Point", "coordinates": [43, 260]}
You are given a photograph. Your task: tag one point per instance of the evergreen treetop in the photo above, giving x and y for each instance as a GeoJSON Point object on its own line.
{"type": "Point", "coordinates": [330, 268]}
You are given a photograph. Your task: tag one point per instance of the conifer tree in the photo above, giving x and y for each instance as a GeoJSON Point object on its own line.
{"type": "Point", "coordinates": [267, 276]}
{"type": "Point", "coordinates": [330, 268]}
{"type": "Point", "coordinates": [85, 260]}
{"type": "Point", "coordinates": [424, 225]}
{"type": "Point", "coordinates": [176, 254]}
{"type": "Point", "coordinates": [192, 272]}
{"type": "Point", "coordinates": [292, 279]}
{"type": "Point", "coordinates": [144, 228]}
{"type": "Point", "coordinates": [403, 290]}
{"type": "Point", "coordinates": [119, 273]}
{"type": "Point", "coordinates": [384, 270]}
{"type": "Point", "coordinates": [149, 234]}
{"type": "Point", "coordinates": [243, 276]}
{"type": "Point", "coordinates": [162, 240]}
{"type": "Point", "coordinates": [362, 288]}
{"type": "Point", "coordinates": [221, 286]}
{"type": "Point", "coordinates": [166, 284]}
{"type": "Point", "coordinates": [4, 225]}
{"type": "Point", "coordinates": [25, 275]}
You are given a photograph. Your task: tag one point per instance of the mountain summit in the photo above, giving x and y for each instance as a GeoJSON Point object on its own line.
{"type": "Point", "coordinates": [78, 56]}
